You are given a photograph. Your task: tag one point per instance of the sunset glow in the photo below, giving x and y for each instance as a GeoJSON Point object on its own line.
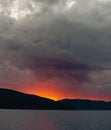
{"type": "Point", "coordinates": [55, 96]}
{"type": "Point", "coordinates": [56, 49]}
{"type": "Point", "coordinates": [48, 94]}
{"type": "Point", "coordinates": [46, 91]}
{"type": "Point", "coordinates": [55, 93]}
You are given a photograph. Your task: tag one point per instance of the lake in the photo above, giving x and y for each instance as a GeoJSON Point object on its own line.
{"type": "Point", "coordinates": [54, 120]}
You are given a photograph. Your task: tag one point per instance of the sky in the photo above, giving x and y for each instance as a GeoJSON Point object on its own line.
{"type": "Point", "coordinates": [56, 48]}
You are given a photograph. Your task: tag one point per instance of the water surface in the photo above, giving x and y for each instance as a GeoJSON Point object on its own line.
{"type": "Point", "coordinates": [54, 120]}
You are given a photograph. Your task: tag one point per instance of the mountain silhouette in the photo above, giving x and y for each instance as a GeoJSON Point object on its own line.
{"type": "Point", "coordinates": [11, 99]}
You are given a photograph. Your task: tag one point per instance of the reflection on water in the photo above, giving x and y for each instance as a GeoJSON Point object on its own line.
{"type": "Point", "coordinates": [54, 120]}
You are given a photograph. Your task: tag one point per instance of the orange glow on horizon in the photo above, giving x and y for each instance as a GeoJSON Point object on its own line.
{"type": "Point", "coordinates": [51, 91]}
{"type": "Point", "coordinates": [56, 92]}
{"type": "Point", "coordinates": [58, 95]}
{"type": "Point", "coordinates": [51, 94]}
{"type": "Point", "coordinates": [48, 95]}
{"type": "Point", "coordinates": [55, 95]}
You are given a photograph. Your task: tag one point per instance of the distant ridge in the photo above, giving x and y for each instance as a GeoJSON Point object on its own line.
{"type": "Point", "coordinates": [11, 99]}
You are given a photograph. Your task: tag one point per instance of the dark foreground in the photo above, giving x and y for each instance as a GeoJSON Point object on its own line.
{"type": "Point", "coordinates": [10, 99]}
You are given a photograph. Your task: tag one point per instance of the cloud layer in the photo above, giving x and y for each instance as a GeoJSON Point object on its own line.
{"type": "Point", "coordinates": [65, 42]}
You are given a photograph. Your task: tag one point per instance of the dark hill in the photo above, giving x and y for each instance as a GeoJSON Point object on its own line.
{"type": "Point", "coordinates": [11, 99]}
{"type": "Point", "coordinates": [77, 104]}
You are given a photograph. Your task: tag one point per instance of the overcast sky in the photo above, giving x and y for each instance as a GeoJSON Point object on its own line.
{"type": "Point", "coordinates": [63, 45]}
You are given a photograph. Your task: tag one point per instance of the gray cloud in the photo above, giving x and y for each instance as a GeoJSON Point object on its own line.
{"type": "Point", "coordinates": [60, 40]}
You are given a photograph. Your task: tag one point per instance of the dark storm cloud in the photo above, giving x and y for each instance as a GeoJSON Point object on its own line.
{"type": "Point", "coordinates": [46, 68]}
{"type": "Point", "coordinates": [55, 39]}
